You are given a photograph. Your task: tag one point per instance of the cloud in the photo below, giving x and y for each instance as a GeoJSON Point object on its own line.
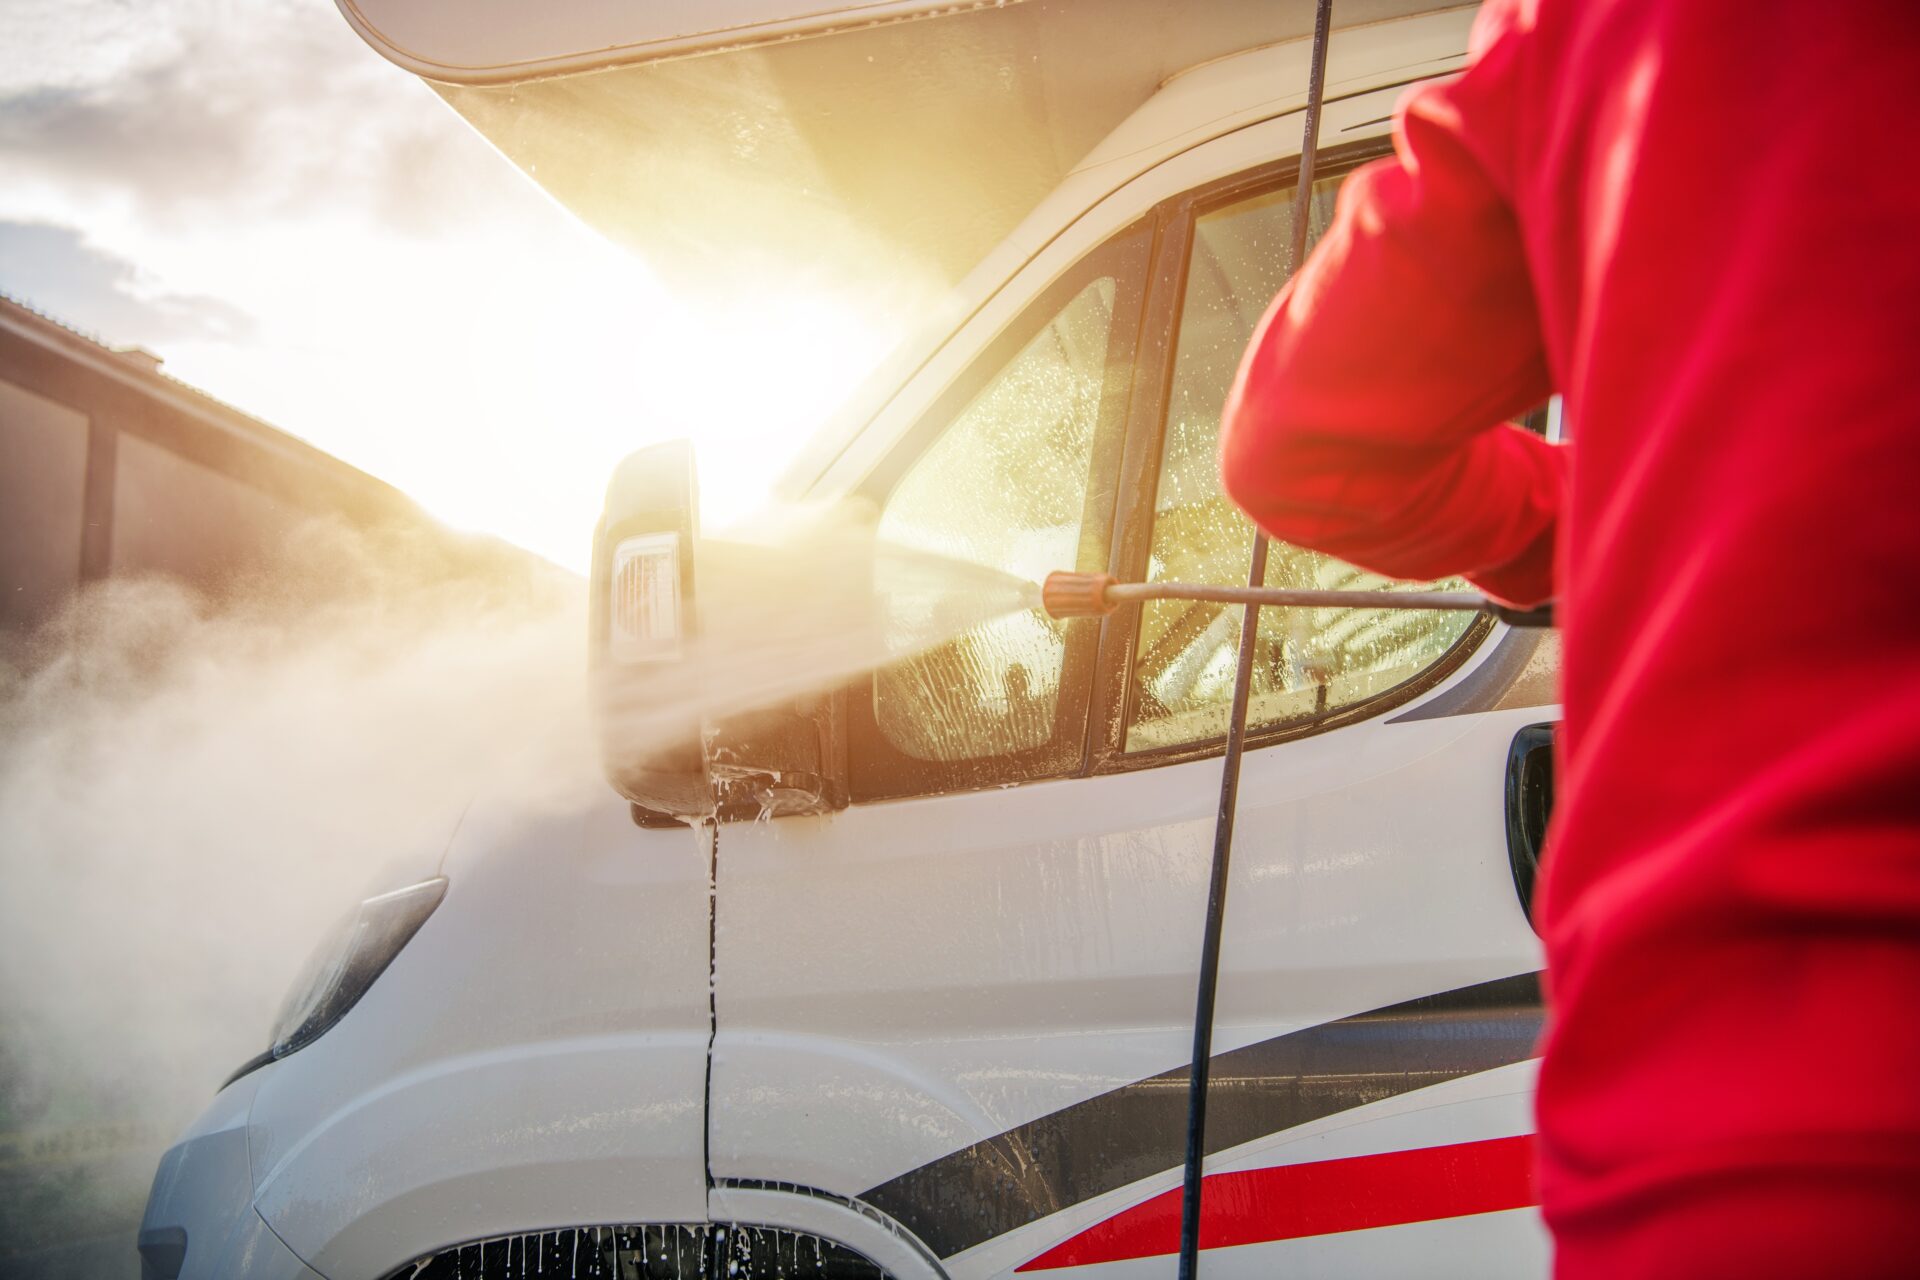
{"type": "Point", "coordinates": [54, 269]}
{"type": "Point", "coordinates": [213, 112]}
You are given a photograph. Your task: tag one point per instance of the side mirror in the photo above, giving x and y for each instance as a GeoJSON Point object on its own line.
{"type": "Point", "coordinates": [639, 632]}
{"type": "Point", "coordinates": [658, 746]}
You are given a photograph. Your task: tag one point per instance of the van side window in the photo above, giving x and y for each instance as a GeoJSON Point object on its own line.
{"type": "Point", "coordinates": [1310, 663]}
{"type": "Point", "coordinates": [1011, 482]}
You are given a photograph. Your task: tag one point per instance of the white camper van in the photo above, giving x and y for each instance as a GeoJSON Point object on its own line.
{"type": "Point", "coordinates": [932, 1018]}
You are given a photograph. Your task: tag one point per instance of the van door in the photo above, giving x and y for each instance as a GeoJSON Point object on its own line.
{"type": "Point", "coordinates": [966, 1000]}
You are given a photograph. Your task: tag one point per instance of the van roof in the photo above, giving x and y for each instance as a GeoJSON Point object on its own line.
{"type": "Point", "coordinates": [738, 145]}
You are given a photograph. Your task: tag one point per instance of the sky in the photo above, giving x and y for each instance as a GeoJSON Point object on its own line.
{"type": "Point", "coordinates": [307, 232]}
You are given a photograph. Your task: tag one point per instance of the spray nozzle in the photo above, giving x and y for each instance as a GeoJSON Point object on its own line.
{"type": "Point", "coordinates": [1077, 595]}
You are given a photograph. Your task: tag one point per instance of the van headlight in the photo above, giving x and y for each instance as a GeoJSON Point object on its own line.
{"type": "Point", "coordinates": [345, 964]}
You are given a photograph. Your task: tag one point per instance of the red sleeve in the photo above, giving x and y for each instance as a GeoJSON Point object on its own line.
{"type": "Point", "coordinates": [1367, 418]}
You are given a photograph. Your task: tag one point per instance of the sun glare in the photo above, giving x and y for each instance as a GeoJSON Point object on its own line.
{"type": "Point", "coordinates": [627, 369]}
{"type": "Point", "coordinates": [510, 369]}
{"type": "Point", "coordinates": [761, 385]}
{"type": "Point", "coordinates": [450, 329]}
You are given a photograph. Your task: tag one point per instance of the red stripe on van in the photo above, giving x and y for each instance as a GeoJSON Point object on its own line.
{"type": "Point", "coordinates": [1327, 1196]}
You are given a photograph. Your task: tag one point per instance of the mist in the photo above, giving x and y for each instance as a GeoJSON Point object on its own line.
{"type": "Point", "coordinates": [194, 786]}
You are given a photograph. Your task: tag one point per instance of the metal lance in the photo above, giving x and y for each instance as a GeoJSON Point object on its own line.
{"type": "Point", "coordinates": [1089, 595]}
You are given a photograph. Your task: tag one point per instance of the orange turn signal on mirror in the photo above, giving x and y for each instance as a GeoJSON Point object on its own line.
{"type": "Point", "coordinates": [643, 613]}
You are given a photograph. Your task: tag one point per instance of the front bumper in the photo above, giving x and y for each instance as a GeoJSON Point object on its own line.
{"type": "Point", "coordinates": [200, 1222]}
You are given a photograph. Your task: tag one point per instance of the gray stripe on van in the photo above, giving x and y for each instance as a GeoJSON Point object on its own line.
{"type": "Point", "coordinates": [1037, 1169]}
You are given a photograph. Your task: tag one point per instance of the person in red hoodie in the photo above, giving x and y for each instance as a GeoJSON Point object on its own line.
{"type": "Point", "coordinates": [1699, 222]}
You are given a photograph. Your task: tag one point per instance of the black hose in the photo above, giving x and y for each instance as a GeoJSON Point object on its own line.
{"type": "Point", "coordinates": [1237, 732]}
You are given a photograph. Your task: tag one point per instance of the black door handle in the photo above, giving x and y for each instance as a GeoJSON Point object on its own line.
{"type": "Point", "coordinates": [1529, 806]}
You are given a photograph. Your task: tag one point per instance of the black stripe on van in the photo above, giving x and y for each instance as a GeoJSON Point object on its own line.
{"type": "Point", "coordinates": [1037, 1169]}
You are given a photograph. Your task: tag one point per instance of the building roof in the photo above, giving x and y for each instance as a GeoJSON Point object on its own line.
{"type": "Point", "coordinates": [68, 364]}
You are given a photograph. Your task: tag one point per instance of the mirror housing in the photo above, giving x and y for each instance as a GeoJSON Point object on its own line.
{"type": "Point", "coordinates": [658, 748]}
{"type": "Point", "coordinates": [639, 624]}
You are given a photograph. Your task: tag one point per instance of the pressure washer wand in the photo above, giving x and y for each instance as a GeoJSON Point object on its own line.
{"type": "Point", "coordinates": [1089, 595]}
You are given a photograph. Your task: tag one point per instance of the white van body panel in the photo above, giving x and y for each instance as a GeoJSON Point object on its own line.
{"type": "Point", "coordinates": [536, 1055]}
{"type": "Point", "coordinates": [905, 978]}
